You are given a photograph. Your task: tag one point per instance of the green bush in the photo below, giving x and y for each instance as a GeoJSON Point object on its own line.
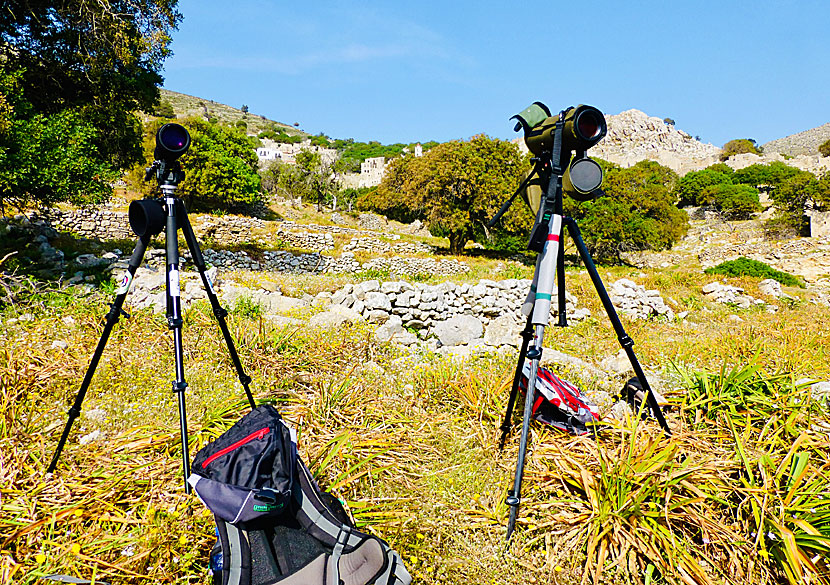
{"type": "Point", "coordinates": [636, 213]}
{"type": "Point", "coordinates": [748, 267]}
{"type": "Point", "coordinates": [739, 146]}
{"type": "Point", "coordinates": [792, 196]}
{"type": "Point", "coordinates": [734, 201]}
{"type": "Point", "coordinates": [220, 167]}
{"type": "Point", "coordinates": [773, 174]}
{"type": "Point", "coordinates": [824, 148]}
{"type": "Point", "coordinates": [691, 188]}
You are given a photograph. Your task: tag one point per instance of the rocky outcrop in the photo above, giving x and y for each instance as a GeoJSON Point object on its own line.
{"type": "Point", "coordinates": [806, 142]}
{"type": "Point", "coordinates": [634, 136]}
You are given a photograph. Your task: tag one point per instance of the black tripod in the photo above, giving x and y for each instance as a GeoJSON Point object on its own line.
{"type": "Point", "coordinates": [545, 240]}
{"type": "Point", "coordinates": [147, 219]}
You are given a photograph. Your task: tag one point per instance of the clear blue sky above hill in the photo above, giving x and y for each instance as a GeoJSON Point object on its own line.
{"type": "Point", "coordinates": [428, 70]}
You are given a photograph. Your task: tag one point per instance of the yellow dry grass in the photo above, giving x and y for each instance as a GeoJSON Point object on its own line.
{"type": "Point", "coordinates": [410, 442]}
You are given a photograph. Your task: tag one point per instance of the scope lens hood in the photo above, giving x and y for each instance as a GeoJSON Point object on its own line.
{"type": "Point", "coordinates": [147, 217]}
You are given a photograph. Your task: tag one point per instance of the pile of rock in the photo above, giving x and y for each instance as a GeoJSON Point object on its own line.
{"type": "Point", "coordinates": [289, 225]}
{"type": "Point", "coordinates": [90, 222]}
{"type": "Point", "coordinates": [373, 222]}
{"type": "Point", "coordinates": [306, 240]}
{"type": "Point", "coordinates": [39, 231]}
{"type": "Point", "coordinates": [229, 229]}
{"type": "Point", "coordinates": [367, 244]}
{"type": "Point", "coordinates": [730, 295]}
{"type": "Point", "coordinates": [635, 301]}
{"type": "Point", "coordinates": [281, 261]}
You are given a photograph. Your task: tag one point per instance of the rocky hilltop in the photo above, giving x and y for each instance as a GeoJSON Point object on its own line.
{"type": "Point", "coordinates": [806, 142]}
{"type": "Point", "coordinates": [634, 136]}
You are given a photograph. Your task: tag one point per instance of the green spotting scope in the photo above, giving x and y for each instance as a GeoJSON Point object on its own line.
{"type": "Point", "coordinates": [584, 127]}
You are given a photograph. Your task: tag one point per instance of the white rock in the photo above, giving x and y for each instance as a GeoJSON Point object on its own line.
{"type": "Point", "coordinates": [503, 330]}
{"type": "Point", "coordinates": [459, 330]}
{"type": "Point", "coordinates": [328, 320]}
{"type": "Point", "coordinates": [770, 287]}
{"type": "Point", "coordinates": [59, 344]}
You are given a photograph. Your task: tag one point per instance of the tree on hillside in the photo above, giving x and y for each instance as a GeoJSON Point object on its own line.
{"type": "Point", "coordinates": [220, 167]}
{"type": "Point", "coordinates": [739, 146]}
{"type": "Point", "coordinates": [691, 187]}
{"type": "Point", "coordinates": [792, 196]}
{"type": "Point", "coordinates": [637, 211]}
{"type": "Point", "coordinates": [824, 148]}
{"type": "Point", "coordinates": [309, 178]}
{"type": "Point", "coordinates": [456, 187]}
{"type": "Point", "coordinates": [771, 175]}
{"type": "Point", "coordinates": [76, 72]}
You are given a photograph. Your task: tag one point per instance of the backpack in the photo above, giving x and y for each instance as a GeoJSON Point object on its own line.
{"type": "Point", "coordinates": [558, 403]}
{"type": "Point", "coordinates": [273, 522]}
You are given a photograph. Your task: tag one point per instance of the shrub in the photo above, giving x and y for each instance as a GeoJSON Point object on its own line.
{"type": "Point", "coordinates": [735, 201]}
{"type": "Point", "coordinates": [636, 213]}
{"type": "Point", "coordinates": [792, 196]}
{"type": "Point", "coordinates": [691, 188]}
{"type": "Point", "coordinates": [824, 148]}
{"type": "Point", "coordinates": [739, 146]}
{"type": "Point", "coordinates": [773, 174]}
{"type": "Point", "coordinates": [748, 267]}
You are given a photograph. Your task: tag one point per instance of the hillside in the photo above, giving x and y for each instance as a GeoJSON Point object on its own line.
{"type": "Point", "coordinates": [187, 105]}
{"type": "Point", "coordinates": [806, 142]}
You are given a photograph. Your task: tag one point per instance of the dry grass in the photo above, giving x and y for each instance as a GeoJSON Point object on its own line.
{"type": "Point", "coordinates": [737, 495]}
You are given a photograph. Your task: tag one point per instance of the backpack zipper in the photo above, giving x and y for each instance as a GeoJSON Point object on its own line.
{"type": "Point", "coordinates": [255, 435]}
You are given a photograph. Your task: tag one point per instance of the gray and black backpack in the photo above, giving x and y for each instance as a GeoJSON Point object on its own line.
{"type": "Point", "coordinates": [274, 524]}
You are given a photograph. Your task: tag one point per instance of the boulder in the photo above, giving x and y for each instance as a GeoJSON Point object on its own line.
{"type": "Point", "coordinates": [459, 330]}
{"type": "Point", "coordinates": [503, 331]}
{"type": "Point", "coordinates": [770, 287]}
{"type": "Point", "coordinates": [328, 320]}
{"type": "Point", "coordinates": [377, 301]}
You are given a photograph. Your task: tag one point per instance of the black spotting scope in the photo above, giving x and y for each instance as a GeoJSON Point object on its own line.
{"type": "Point", "coordinates": [172, 141]}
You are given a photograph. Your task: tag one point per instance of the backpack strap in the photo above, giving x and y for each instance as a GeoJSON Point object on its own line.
{"type": "Point", "coordinates": [315, 517]}
{"type": "Point", "coordinates": [236, 554]}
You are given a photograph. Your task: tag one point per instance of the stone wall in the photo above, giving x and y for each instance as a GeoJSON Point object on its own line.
{"type": "Point", "coordinates": [373, 244]}
{"type": "Point", "coordinates": [90, 222]}
{"type": "Point", "coordinates": [306, 240]}
{"type": "Point", "coordinates": [455, 313]}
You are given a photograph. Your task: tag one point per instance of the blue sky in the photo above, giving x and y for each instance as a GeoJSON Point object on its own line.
{"type": "Point", "coordinates": [428, 70]}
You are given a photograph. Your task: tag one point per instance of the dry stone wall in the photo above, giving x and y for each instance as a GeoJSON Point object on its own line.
{"type": "Point", "coordinates": [90, 222]}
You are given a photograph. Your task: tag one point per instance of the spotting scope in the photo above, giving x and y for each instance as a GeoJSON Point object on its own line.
{"type": "Point", "coordinates": [172, 141]}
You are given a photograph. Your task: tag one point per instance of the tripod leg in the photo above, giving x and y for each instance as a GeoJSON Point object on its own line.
{"type": "Point", "coordinates": [514, 496]}
{"type": "Point", "coordinates": [625, 341]}
{"type": "Point", "coordinates": [221, 313]}
{"type": "Point", "coordinates": [527, 334]}
{"type": "Point", "coordinates": [114, 314]}
{"type": "Point", "coordinates": [174, 322]}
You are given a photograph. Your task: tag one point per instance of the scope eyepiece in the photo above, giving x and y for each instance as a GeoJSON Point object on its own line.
{"type": "Point", "coordinates": [172, 141]}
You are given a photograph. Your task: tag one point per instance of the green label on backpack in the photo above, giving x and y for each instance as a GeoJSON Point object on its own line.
{"type": "Point", "coordinates": [267, 507]}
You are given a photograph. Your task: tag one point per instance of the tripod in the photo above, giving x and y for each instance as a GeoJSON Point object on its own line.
{"type": "Point", "coordinates": [546, 241]}
{"type": "Point", "coordinates": [147, 219]}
